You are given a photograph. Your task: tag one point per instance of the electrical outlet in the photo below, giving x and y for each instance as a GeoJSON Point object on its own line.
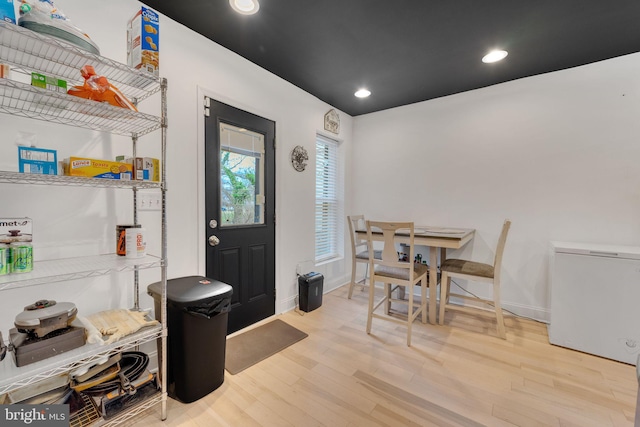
{"type": "Point", "coordinates": [149, 201]}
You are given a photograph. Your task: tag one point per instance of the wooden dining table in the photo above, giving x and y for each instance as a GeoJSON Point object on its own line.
{"type": "Point", "coordinates": [437, 239]}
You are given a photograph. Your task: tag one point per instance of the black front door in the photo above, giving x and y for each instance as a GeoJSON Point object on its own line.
{"type": "Point", "coordinates": [240, 210]}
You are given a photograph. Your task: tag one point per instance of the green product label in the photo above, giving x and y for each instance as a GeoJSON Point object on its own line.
{"type": "Point", "coordinates": [3, 261]}
{"type": "Point", "coordinates": [22, 259]}
{"type": "Point", "coordinates": [48, 82]}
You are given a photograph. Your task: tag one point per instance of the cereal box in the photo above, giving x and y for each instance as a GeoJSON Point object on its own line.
{"type": "Point", "coordinates": [139, 172]}
{"type": "Point", "coordinates": [144, 168]}
{"type": "Point", "coordinates": [94, 168]}
{"type": "Point", "coordinates": [37, 161]}
{"type": "Point", "coordinates": [143, 41]}
{"type": "Point", "coordinates": [7, 11]}
{"type": "Point", "coordinates": [153, 166]}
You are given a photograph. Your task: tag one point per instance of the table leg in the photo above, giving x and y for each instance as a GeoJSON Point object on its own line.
{"type": "Point", "coordinates": [443, 257]}
{"type": "Point", "coordinates": [433, 283]}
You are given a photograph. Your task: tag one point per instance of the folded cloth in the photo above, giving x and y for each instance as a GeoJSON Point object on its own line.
{"type": "Point", "coordinates": [92, 335]}
{"type": "Point", "coordinates": [119, 323]}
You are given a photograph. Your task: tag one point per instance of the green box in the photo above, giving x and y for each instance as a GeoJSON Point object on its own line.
{"type": "Point", "coordinates": [48, 82]}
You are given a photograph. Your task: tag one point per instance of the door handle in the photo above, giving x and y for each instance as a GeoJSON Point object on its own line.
{"type": "Point", "coordinates": [214, 241]}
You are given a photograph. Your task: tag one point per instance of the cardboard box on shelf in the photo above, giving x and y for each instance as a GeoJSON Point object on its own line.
{"type": "Point", "coordinates": [153, 166]}
{"type": "Point", "coordinates": [37, 161]}
{"type": "Point", "coordinates": [143, 41]}
{"type": "Point", "coordinates": [8, 11]}
{"type": "Point", "coordinates": [95, 168]}
{"type": "Point", "coordinates": [48, 82]}
{"type": "Point", "coordinates": [16, 230]}
{"type": "Point", "coordinates": [144, 168]}
{"type": "Point", "coordinates": [137, 164]}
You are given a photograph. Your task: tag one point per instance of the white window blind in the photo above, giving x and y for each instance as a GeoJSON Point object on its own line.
{"type": "Point", "coordinates": [328, 199]}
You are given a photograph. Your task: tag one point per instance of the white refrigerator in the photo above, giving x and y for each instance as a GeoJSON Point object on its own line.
{"type": "Point", "coordinates": [595, 299]}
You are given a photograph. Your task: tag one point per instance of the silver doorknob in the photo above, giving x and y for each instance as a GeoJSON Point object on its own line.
{"type": "Point", "coordinates": [214, 241]}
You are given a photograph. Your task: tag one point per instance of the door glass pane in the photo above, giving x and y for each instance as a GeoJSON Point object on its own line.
{"type": "Point", "coordinates": [241, 176]}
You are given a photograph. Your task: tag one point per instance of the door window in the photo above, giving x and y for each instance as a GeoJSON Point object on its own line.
{"type": "Point", "coordinates": [241, 176]}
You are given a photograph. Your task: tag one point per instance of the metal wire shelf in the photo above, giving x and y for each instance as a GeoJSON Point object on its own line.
{"type": "Point", "coordinates": [87, 416]}
{"type": "Point", "coordinates": [23, 100]}
{"type": "Point", "coordinates": [66, 269]}
{"type": "Point", "coordinates": [26, 52]}
{"type": "Point", "coordinates": [12, 377]}
{"type": "Point", "coordinates": [29, 51]}
{"type": "Point", "coordinates": [77, 181]}
{"type": "Point", "coordinates": [132, 412]}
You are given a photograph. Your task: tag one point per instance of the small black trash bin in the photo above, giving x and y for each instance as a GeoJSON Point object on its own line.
{"type": "Point", "coordinates": [197, 313]}
{"type": "Point", "coordinates": [310, 291]}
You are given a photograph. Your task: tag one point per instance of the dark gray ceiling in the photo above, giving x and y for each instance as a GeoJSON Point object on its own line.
{"type": "Point", "coordinates": [406, 51]}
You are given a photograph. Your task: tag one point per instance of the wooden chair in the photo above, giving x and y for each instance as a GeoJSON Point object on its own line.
{"type": "Point", "coordinates": [359, 250]}
{"type": "Point", "coordinates": [391, 271]}
{"type": "Point", "coordinates": [477, 272]}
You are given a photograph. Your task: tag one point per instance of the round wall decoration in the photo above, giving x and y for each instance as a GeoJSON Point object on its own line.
{"type": "Point", "coordinates": [298, 157]}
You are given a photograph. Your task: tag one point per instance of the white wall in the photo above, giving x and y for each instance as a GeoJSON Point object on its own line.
{"type": "Point", "coordinates": [556, 153]}
{"type": "Point", "coordinates": [194, 66]}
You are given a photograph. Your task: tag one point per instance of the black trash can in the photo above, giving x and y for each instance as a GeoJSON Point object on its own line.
{"type": "Point", "coordinates": [197, 314]}
{"type": "Point", "coordinates": [310, 291]}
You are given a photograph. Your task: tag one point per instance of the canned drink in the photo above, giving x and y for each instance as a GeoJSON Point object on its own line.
{"type": "Point", "coordinates": [4, 258]}
{"type": "Point", "coordinates": [121, 238]}
{"type": "Point", "coordinates": [21, 257]}
{"type": "Point", "coordinates": [9, 259]}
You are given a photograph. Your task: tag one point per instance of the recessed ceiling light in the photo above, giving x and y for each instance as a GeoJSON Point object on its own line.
{"type": "Point", "coordinates": [245, 7]}
{"type": "Point", "coordinates": [494, 56]}
{"type": "Point", "coordinates": [362, 93]}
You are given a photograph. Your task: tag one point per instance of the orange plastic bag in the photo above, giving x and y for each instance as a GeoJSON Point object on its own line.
{"type": "Point", "coordinates": [99, 89]}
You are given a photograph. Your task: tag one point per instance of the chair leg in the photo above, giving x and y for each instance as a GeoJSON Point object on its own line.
{"type": "Point", "coordinates": [370, 312]}
{"type": "Point", "coordinates": [387, 302]}
{"type": "Point", "coordinates": [410, 316]}
{"type": "Point", "coordinates": [366, 274]}
{"type": "Point", "coordinates": [423, 300]}
{"type": "Point", "coordinates": [499, 318]}
{"type": "Point", "coordinates": [445, 282]}
{"type": "Point", "coordinates": [353, 277]}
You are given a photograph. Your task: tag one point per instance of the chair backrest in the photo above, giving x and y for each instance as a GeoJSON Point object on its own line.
{"type": "Point", "coordinates": [356, 222]}
{"type": "Point", "coordinates": [502, 240]}
{"type": "Point", "coordinates": [389, 253]}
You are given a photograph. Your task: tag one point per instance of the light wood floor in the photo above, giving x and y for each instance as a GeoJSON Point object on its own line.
{"type": "Point", "coordinates": [459, 374]}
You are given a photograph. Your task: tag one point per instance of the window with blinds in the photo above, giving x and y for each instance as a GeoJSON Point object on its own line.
{"type": "Point", "coordinates": [328, 199]}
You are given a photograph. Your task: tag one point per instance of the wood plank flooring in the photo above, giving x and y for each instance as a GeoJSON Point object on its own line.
{"type": "Point", "coordinates": [459, 374]}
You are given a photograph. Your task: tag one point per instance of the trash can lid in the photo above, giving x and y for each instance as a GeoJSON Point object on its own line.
{"type": "Point", "coordinates": [191, 289]}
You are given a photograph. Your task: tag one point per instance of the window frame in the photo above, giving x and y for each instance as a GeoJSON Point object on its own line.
{"type": "Point", "coordinates": [329, 200]}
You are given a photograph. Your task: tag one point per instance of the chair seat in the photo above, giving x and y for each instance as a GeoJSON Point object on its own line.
{"type": "Point", "coordinates": [401, 273]}
{"type": "Point", "coordinates": [365, 254]}
{"type": "Point", "coordinates": [471, 268]}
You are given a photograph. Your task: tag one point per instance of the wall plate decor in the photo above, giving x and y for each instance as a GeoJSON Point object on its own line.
{"type": "Point", "coordinates": [298, 157]}
{"type": "Point", "coordinates": [332, 121]}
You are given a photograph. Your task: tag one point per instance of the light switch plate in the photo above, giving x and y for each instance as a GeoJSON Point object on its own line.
{"type": "Point", "coordinates": [149, 201]}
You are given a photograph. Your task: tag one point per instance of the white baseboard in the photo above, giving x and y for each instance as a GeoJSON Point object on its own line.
{"type": "Point", "coordinates": [538, 314]}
